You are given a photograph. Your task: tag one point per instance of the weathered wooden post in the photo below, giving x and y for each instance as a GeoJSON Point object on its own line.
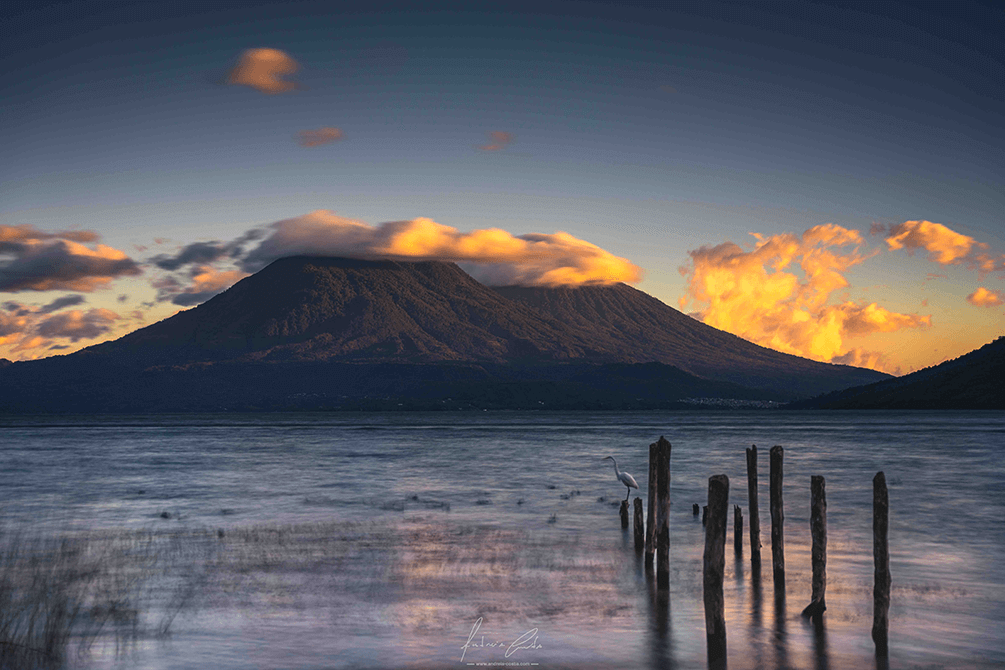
{"type": "Point", "coordinates": [737, 530]}
{"type": "Point", "coordinates": [752, 507]}
{"type": "Point", "coordinates": [651, 500]}
{"type": "Point", "coordinates": [881, 557]}
{"type": "Point", "coordinates": [694, 509]}
{"type": "Point", "coordinates": [777, 515]}
{"type": "Point", "coordinates": [704, 515]}
{"type": "Point", "coordinates": [818, 554]}
{"type": "Point", "coordinates": [640, 531]}
{"type": "Point", "coordinates": [624, 513]}
{"type": "Point", "coordinates": [663, 449]}
{"type": "Point", "coordinates": [714, 564]}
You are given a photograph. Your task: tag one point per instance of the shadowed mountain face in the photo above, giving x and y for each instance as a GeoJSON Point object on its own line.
{"type": "Point", "coordinates": [327, 329]}
{"type": "Point", "coordinates": [321, 309]}
{"type": "Point", "coordinates": [626, 324]}
{"type": "Point", "coordinates": [972, 381]}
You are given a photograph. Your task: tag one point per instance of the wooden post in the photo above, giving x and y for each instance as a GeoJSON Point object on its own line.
{"type": "Point", "coordinates": [651, 500]}
{"type": "Point", "coordinates": [694, 509]}
{"type": "Point", "coordinates": [752, 507]}
{"type": "Point", "coordinates": [737, 530]}
{"type": "Point", "coordinates": [714, 563]}
{"type": "Point", "coordinates": [777, 515]}
{"type": "Point", "coordinates": [640, 531]}
{"type": "Point", "coordinates": [663, 449]}
{"type": "Point", "coordinates": [704, 515]}
{"type": "Point", "coordinates": [818, 554]}
{"type": "Point", "coordinates": [881, 557]}
{"type": "Point", "coordinates": [624, 514]}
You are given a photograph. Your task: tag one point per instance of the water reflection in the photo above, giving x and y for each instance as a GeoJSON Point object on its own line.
{"type": "Point", "coordinates": [820, 652]}
{"type": "Point", "coordinates": [781, 633]}
{"type": "Point", "coordinates": [660, 633]}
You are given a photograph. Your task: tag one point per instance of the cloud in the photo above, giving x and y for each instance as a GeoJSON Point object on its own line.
{"type": "Point", "coordinates": [944, 245]}
{"type": "Point", "coordinates": [498, 139]}
{"type": "Point", "coordinates": [31, 260]}
{"type": "Point", "coordinates": [264, 69]}
{"type": "Point", "coordinates": [60, 303]}
{"type": "Point", "coordinates": [77, 325]}
{"type": "Point", "coordinates": [197, 252]}
{"type": "Point", "coordinates": [202, 253]}
{"type": "Point", "coordinates": [206, 283]}
{"type": "Point", "coordinates": [982, 297]}
{"type": "Point", "coordinates": [751, 294]}
{"type": "Point", "coordinates": [319, 137]}
{"type": "Point", "coordinates": [492, 255]}
{"type": "Point", "coordinates": [929, 276]}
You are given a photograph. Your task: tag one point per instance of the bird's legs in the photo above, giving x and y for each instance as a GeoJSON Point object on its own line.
{"type": "Point", "coordinates": [629, 493]}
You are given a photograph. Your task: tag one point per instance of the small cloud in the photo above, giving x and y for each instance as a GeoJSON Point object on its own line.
{"type": "Point", "coordinates": [77, 325]}
{"type": "Point", "coordinates": [57, 347]}
{"type": "Point", "coordinates": [924, 303]}
{"type": "Point", "coordinates": [498, 140]}
{"type": "Point", "coordinates": [206, 283]}
{"type": "Point", "coordinates": [197, 252]}
{"type": "Point", "coordinates": [877, 228]}
{"type": "Point", "coordinates": [982, 297]}
{"type": "Point", "coordinates": [944, 245]}
{"type": "Point", "coordinates": [60, 303]}
{"type": "Point", "coordinates": [123, 298]}
{"type": "Point", "coordinates": [263, 70]}
{"type": "Point", "coordinates": [319, 137]}
{"type": "Point", "coordinates": [935, 275]}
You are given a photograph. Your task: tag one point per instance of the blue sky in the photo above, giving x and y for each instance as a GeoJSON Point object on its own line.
{"type": "Point", "coordinates": [647, 132]}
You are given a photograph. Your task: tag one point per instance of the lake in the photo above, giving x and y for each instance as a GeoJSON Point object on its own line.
{"type": "Point", "coordinates": [437, 540]}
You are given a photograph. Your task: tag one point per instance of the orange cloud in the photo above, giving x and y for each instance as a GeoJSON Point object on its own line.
{"type": "Point", "coordinates": [493, 255]}
{"type": "Point", "coordinates": [750, 294]}
{"type": "Point", "coordinates": [944, 245]}
{"type": "Point", "coordinates": [264, 69]}
{"type": "Point", "coordinates": [206, 283]}
{"type": "Point", "coordinates": [982, 297]}
{"type": "Point", "coordinates": [497, 140]}
{"type": "Point", "coordinates": [38, 261]}
{"type": "Point", "coordinates": [319, 137]}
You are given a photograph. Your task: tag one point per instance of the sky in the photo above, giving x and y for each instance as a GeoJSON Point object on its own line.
{"type": "Point", "coordinates": [825, 179]}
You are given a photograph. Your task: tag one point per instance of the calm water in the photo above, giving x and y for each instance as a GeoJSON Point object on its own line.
{"type": "Point", "coordinates": [379, 540]}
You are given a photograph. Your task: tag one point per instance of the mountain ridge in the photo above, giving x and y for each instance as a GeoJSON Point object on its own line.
{"type": "Point", "coordinates": [416, 332]}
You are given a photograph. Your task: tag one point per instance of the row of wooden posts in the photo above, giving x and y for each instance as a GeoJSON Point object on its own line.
{"type": "Point", "coordinates": [653, 537]}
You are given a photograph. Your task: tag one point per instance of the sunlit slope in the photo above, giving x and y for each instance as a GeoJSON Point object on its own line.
{"type": "Point", "coordinates": [972, 381]}
{"type": "Point", "coordinates": [624, 323]}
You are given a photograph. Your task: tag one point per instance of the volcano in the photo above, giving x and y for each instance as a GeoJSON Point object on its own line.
{"type": "Point", "coordinates": [337, 332]}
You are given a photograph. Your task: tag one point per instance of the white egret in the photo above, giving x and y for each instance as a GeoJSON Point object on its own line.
{"type": "Point", "coordinates": [623, 477]}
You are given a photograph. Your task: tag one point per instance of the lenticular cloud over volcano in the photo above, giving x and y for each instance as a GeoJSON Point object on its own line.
{"type": "Point", "coordinates": [491, 255]}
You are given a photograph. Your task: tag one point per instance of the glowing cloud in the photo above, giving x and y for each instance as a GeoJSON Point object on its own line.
{"type": "Point", "coordinates": [750, 294]}
{"type": "Point", "coordinates": [497, 140]}
{"type": "Point", "coordinates": [982, 297]}
{"type": "Point", "coordinates": [493, 255]}
{"type": "Point", "coordinates": [944, 245]}
{"type": "Point", "coordinates": [264, 69]}
{"type": "Point", "coordinates": [319, 137]}
{"type": "Point", "coordinates": [31, 260]}
{"type": "Point", "coordinates": [206, 283]}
